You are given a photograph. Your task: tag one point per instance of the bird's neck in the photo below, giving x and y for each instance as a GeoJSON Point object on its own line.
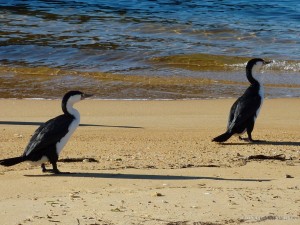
{"type": "Point", "coordinates": [254, 80]}
{"type": "Point", "coordinates": [256, 83]}
{"type": "Point", "coordinates": [70, 110]}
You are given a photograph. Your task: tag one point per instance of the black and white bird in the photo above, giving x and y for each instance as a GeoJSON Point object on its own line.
{"type": "Point", "coordinates": [245, 110]}
{"type": "Point", "coordinates": [49, 139]}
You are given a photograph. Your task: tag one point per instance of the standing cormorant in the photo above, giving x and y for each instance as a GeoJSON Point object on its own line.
{"type": "Point", "coordinates": [245, 110]}
{"type": "Point", "coordinates": [49, 139]}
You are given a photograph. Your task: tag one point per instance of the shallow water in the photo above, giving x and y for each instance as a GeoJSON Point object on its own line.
{"type": "Point", "coordinates": [147, 49]}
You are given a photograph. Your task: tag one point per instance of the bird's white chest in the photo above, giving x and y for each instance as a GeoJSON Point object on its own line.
{"type": "Point", "coordinates": [262, 95]}
{"type": "Point", "coordinates": [60, 145]}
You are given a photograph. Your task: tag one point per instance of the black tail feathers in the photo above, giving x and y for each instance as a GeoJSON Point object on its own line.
{"type": "Point", "coordinates": [222, 137]}
{"type": "Point", "coordinates": [12, 161]}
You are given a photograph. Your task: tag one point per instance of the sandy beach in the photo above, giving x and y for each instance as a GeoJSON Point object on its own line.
{"type": "Point", "coordinates": [153, 162]}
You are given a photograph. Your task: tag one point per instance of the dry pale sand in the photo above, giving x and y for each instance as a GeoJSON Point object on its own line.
{"type": "Point", "coordinates": [153, 162]}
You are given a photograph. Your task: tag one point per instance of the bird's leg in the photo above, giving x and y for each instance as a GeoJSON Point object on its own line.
{"type": "Point", "coordinates": [49, 170]}
{"type": "Point", "coordinates": [244, 139]}
{"type": "Point", "coordinates": [247, 139]}
{"type": "Point", "coordinates": [250, 138]}
{"type": "Point", "coordinates": [55, 170]}
{"type": "Point", "coordinates": [249, 131]}
{"type": "Point", "coordinates": [44, 168]}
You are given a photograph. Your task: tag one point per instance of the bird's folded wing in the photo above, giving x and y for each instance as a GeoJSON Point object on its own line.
{"type": "Point", "coordinates": [243, 111]}
{"type": "Point", "coordinates": [48, 134]}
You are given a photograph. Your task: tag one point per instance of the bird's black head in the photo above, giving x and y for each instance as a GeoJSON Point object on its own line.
{"type": "Point", "coordinates": [70, 98]}
{"type": "Point", "coordinates": [256, 63]}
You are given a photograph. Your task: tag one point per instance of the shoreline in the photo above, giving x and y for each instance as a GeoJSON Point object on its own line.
{"type": "Point", "coordinates": [146, 99]}
{"type": "Point", "coordinates": [153, 163]}
{"type": "Point", "coordinates": [201, 85]}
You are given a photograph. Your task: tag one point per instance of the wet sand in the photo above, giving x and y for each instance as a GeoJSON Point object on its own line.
{"type": "Point", "coordinates": [153, 162]}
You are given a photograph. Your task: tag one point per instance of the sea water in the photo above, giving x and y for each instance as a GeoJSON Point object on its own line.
{"type": "Point", "coordinates": [147, 49]}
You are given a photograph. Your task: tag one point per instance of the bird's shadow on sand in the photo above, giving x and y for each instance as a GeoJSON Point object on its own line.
{"type": "Point", "coordinates": [278, 143]}
{"type": "Point", "coordinates": [23, 123]}
{"type": "Point", "coordinates": [144, 177]}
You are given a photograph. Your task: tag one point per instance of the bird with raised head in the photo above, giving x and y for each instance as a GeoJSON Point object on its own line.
{"type": "Point", "coordinates": [49, 139]}
{"type": "Point", "coordinates": [245, 109]}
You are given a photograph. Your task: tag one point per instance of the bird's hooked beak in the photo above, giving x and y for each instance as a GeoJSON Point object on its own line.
{"type": "Point", "coordinates": [84, 96]}
{"type": "Point", "coordinates": [267, 62]}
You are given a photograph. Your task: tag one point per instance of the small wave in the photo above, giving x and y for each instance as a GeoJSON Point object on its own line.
{"type": "Point", "coordinates": [292, 66]}
{"type": "Point", "coordinates": [201, 62]}
{"type": "Point", "coordinates": [276, 66]}
{"type": "Point", "coordinates": [208, 62]}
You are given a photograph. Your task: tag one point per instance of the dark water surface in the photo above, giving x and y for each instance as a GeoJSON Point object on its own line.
{"type": "Point", "coordinates": [147, 49]}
